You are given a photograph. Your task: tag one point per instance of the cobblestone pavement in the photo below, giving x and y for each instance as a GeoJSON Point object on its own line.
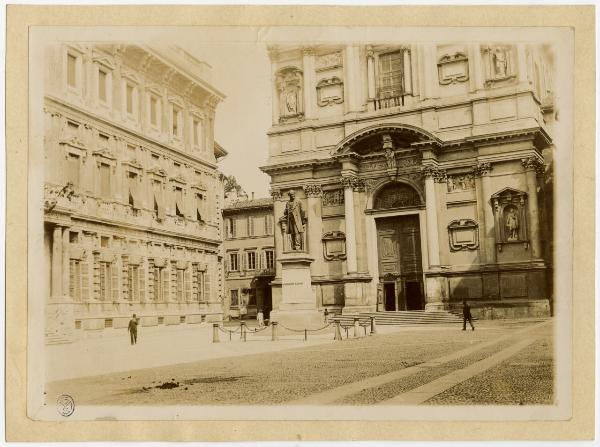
{"type": "Point", "coordinates": [457, 367]}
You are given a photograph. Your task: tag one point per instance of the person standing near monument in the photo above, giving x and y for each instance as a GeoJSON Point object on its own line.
{"type": "Point", "coordinates": [467, 316]}
{"type": "Point", "coordinates": [294, 219]}
{"type": "Point", "coordinates": [132, 328]}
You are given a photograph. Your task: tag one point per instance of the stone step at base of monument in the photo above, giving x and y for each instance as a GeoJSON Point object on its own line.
{"type": "Point", "coordinates": [402, 318]}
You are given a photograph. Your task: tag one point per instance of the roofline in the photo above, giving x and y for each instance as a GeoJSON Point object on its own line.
{"type": "Point", "coordinates": [219, 151]}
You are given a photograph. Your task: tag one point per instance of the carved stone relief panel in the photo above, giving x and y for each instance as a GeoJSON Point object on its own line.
{"type": "Point", "coordinates": [334, 245]}
{"type": "Point", "coordinates": [330, 91]}
{"type": "Point", "coordinates": [453, 68]}
{"type": "Point", "coordinates": [397, 195]}
{"type": "Point", "coordinates": [329, 61]}
{"type": "Point", "coordinates": [333, 197]}
{"type": "Point", "coordinates": [460, 182]}
{"type": "Point", "coordinates": [463, 234]}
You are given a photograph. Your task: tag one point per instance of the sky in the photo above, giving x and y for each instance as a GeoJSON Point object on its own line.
{"type": "Point", "coordinates": [242, 71]}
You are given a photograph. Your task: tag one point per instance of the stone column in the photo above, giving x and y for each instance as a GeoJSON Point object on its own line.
{"type": "Point", "coordinates": [274, 91]}
{"type": "Point", "coordinates": [371, 77]}
{"type": "Point", "coordinates": [66, 267]}
{"type": "Point", "coordinates": [433, 244]}
{"type": "Point", "coordinates": [315, 223]}
{"type": "Point", "coordinates": [309, 86]}
{"type": "Point", "coordinates": [348, 184]}
{"type": "Point", "coordinates": [57, 251]}
{"type": "Point", "coordinates": [483, 170]}
{"type": "Point", "coordinates": [407, 70]}
{"type": "Point", "coordinates": [277, 213]}
{"type": "Point", "coordinates": [352, 71]}
{"type": "Point", "coordinates": [532, 165]}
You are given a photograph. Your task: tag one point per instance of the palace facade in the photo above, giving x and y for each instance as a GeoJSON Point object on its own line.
{"type": "Point", "coordinates": [249, 248]}
{"type": "Point", "coordinates": [425, 171]}
{"type": "Point", "coordinates": [133, 197]}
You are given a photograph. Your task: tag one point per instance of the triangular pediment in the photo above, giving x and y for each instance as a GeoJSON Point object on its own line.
{"type": "Point", "coordinates": [508, 192]}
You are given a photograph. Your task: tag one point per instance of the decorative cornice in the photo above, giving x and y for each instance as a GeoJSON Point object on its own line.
{"type": "Point", "coordinates": [312, 190]}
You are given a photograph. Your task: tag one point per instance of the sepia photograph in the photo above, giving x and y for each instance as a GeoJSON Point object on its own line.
{"type": "Point", "coordinates": [291, 223]}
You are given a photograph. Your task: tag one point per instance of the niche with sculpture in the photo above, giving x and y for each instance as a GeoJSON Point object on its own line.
{"type": "Point", "coordinates": [499, 63]}
{"type": "Point", "coordinates": [510, 216]}
{"type": "Point", "coordinates": [289, 89]}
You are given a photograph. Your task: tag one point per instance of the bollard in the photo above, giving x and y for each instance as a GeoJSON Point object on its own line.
{"type": "Point", "coordinates": [274, 331]}
{"type": "Point", "coordinates": [338, 333]}
{"type": "Point", "coordinates": [356, 330]}
{"type": "Point", "coordinates": [243, 330]}
{"type": "Point", "coordinates": [305, 334]}
{"type": "Point", "coordinates": [215, 332]}
{"type": "Point", "coordinates": [373, 327]}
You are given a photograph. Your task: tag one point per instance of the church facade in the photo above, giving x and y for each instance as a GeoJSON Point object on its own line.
{"type": "Point", "coordinates": [132, 223]}
{"type": "Point", "coordinates": [425, 172]}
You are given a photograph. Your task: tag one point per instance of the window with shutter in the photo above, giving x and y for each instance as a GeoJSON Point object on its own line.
{"type": "Point", "coordinates": [85, 280]}
{"type": "Point", "coordinates": [105, 281]}
{"type": "Point", "coordinates": [115, 282]}
{"type": "Point", "coordinates": [188, 284]}
{"type": "Point", "coordinates": [159, 205]}
{"type": "Point", "coordinates": [75, 280]}
{"type": "Point", "coordinates": [179, 210]}
{"type": "Point", "coordinates": [142, 291]}
{"type": "Point", "coordinates": [74, 168]}
{"type": "Point", "coordinates": [390, 74]}
{"type": "Point", "coordinates": [164, 277]}
{"type": "Point", "coordinates": [207, 279]}
{"type": "Point", "coordinates": [134, 199]}
{"type": "Point", "coordinates": [105, 181]}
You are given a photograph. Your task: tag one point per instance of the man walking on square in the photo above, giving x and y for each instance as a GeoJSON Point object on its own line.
{"type": "Point", "coordinates": [467, 316]}
{"type": "Point", "coordinates": [133, 324]}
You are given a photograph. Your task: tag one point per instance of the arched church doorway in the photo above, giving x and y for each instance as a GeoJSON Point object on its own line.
{"type": "Point", "coordinates": [399, 247]}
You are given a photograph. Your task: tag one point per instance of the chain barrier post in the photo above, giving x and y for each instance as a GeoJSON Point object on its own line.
{"type": "Point", "coordinates": [356, 330]}
{"type": "Point", "coordinates": [338, 332]}
{"type": "Point", "coordinates": [243, 330]}
{"type": "Point", "coordinates": [305, 334]}
{"type": "Point", "coordinates": [274, 336]}
{"type": "Point", "coordinates": [373, 327]}
{"type": "Point", "coordinates": [215, 332]}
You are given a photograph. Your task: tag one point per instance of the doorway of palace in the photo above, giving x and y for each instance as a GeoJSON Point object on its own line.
{"type": "Point", "coordinates": [400, 266]}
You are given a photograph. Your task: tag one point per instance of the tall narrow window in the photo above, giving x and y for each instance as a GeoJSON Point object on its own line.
{"type": "Point", "coordinates": [105, 181]}
{"type": "Point", "coordinates": [175, 122]}
{"type": "Point", "coordinates": [74, 166]}
{"type": "Point", "coordinates": [200, 207]}
{"type": "Point", "coordinates": [154, 111]}
{"type": "Point", "coordinates": [250, 226]}
{"type": "Point", "coordinates": [103, 85]}
{"type": "Point", "coordinates": [200, 286]}
{"type": "Point", "coordinates": [232, 229]}
{"type": "Point", "coordinates": [134, 200]}
{"type": "Point", "coordinates": [251, 255]}
{"type": "Point", "coordinates": [180, 284]}
{"type": "Point", "coordinates": [390, 75]}
{"type": "Point", "coordinates": [105, 281]}
{"type": "Point", "coordinates": [269, 224]}
{"type": "Point", "coordinates": [269, 259]}
{"type": "Point", "coordinates": [133, 283]}
{"type": "Point", "coordinates": [234, 298]}
{"type": "Point", "coordinates": [158, 275]}
{"type": "Point", "coordinates": [129, 98]}
{"type": "Point", "coordinates": [75, 280]}
{"type": "Point", "coordinates": [233, 262]}
{"type": "Point", "coordinates": [71, 71]}
{"type": "Point", "coordinates": [179, 201]}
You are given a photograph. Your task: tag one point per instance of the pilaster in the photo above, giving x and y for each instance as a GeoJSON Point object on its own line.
{"type": "Point", "coordinates": [315, 223]}
{"type": "Point", "coordinates": [532, 165]}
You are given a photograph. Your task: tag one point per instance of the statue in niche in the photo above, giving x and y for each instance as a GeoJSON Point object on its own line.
{"type": "Point", "coordinates": [390, 156]}
{"type": "Point", "coordinates": [500, 62]}
{"type": "Point", "coordinates": [293, 221]}
{"type": "Point", "coordinates": [289, 85]}
{"type": "Point", "coordinates": [512, 225]}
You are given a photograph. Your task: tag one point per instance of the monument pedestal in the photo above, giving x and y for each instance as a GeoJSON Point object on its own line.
{"type": "Point", "coordinates": [298, 306]}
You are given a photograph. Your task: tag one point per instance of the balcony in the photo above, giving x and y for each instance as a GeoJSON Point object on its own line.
{"type": "Point", "coordinates": [388, 102]}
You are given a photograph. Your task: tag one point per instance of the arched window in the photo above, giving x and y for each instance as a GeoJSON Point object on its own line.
{"type": "Point", "coordinates": [397, 195]}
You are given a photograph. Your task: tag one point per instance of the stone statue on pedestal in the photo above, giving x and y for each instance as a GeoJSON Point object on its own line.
{"type": "Point", "coordinates": [293, 221]}
{"type": "Point", "coordinates": [512, 225]}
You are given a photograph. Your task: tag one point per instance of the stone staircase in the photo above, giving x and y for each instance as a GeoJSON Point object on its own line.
{"type": "Point", "coordinates": [401, 318]}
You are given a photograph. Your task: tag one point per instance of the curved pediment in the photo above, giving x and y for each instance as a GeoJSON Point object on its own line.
{"type": "Point", "coordinates": [369, 139]}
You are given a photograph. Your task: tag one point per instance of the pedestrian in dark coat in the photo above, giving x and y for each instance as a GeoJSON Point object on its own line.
{"type": "Point", "coordinates": [132, 328]}
{"type": "Point", "coordinates": [467, 316]}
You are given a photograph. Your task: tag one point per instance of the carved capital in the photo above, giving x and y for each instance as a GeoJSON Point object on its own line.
{"type": "Point", "coordinates": [438, 175]}
{"type": "Point", "coordinates": [358, 184]}
{"type": "Point", "coordinates": [533, 163]}
{"type": "Point", "coordinates": [482, 169]}
{"type": "Point", "coordinates": [370, 52]}
{"type": "Point", "coordinates": [308, 51]}
{"type": "Point", "coordinates": [312, 190]}
{"type": "Point", "coordinates": [275, 194]}
{"type": "Point", "coordinates": [347, 181]}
